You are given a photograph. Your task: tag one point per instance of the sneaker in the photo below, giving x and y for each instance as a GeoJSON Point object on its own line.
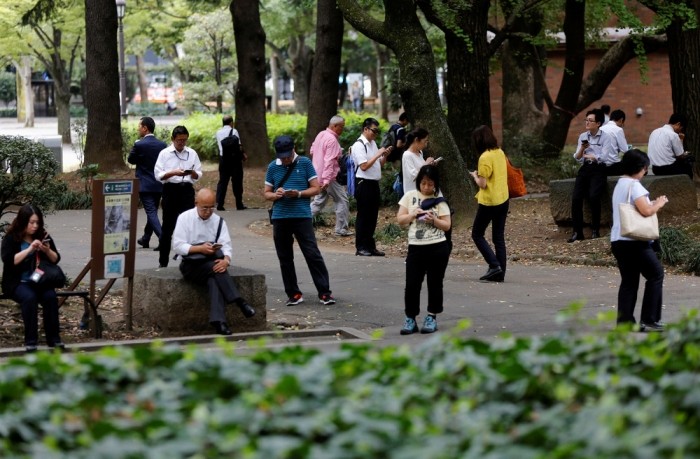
{"type": "Point", "coordinates": [296, 299]}
{"type": "Point", "coordinates": [344, 233]}
{"type": "Point", "coordinates": [327, 298]}
{"type": "Point", "coordinates": [409, 326]}
{"type": "Point", "coordinates": [429, 325]}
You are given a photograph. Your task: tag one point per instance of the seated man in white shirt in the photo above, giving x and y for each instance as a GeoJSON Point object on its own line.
{"type": "Point", "coordinates": [202, 233]}
{"type": "Point", "coordinates": [666, 152]}
{"type": "Point", "coordinates": [618, 140]}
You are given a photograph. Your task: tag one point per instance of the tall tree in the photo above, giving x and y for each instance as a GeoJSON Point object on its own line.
{"type": "Point", "coordinates": [326, 68]}
{"type": "Point", "coordinates": [250, 91]}
{"type": "Point", "coordinates": [103, 142]}
{"type": "Point", "coordinates": [402, 31]}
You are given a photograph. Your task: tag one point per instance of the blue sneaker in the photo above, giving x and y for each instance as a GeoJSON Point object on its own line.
{"type": "Point", "coordinates": [409, 326]}
{"type": "Point", "coordinates": [429, 325]}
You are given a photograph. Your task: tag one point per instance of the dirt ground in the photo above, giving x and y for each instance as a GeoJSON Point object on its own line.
{"type": "Point", "coordinates": [532, 238]}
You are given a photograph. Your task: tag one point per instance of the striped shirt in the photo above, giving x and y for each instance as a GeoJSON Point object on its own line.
{"type": "Point", "coordinates": [299, 180]}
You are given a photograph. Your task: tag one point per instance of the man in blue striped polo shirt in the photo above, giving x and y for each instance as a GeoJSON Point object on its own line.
{"type": "Point", "coordinates": [290, 182]}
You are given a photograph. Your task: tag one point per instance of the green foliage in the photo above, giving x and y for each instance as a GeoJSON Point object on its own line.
{"type": "Point", "coordinates": [29, 175]}
{"type": "Point", "coordinates": [678, 248]}
{"type": "Point", "coordinates": [607, 395]}
{"type": "Point", "coordinates": [8, 112]}
{"type": "Point", "coordinates": [8, 87]}
{"type": "Point", "coordinates": [320, 220]}
{"type": "Point", "coordinates": [74, 200]}
{"type": "Point", "coordinates": [391, 232]}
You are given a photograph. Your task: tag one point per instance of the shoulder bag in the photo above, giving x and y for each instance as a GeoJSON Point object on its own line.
{"type": "Point", "coordinates": [197, 257]}
{"type": "Point", "coordinates": [48, 275]}
{"type": "Point", "coordinates": [516, 181]}
{"type": "Point", "coordinates": [635, 225]}
{"type": "Point", "coordinates": [290, 168]}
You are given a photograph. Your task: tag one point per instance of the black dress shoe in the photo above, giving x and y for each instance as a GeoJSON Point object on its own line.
{"type": "Point", "coordinates": [156, 249]}
{"type": "Point", "coordinates": [58, 345]}
{"type": "Point", "coordinates": [31, 348]}
{"type": "Point", "coordinates": [142, 243]}
{"type": "Point", "coordinates": [575, 237]}
{"type": "Point", "coordinates": [363, 253]}
{"type": "Point", "coordinates": [377, 253]}
{"type": "Point", "coordinates": [220, 208]}
{"type": "Point", "coordinates": [242, 208]}
{"type": "Point", "coordinates": [221, 328]}
{"type": "Point", "coordinates": [492, 274]}
{"type": "Point", "coordinates": [247, 310]}
{"type": "Point", "coordinates": [595, 234]}
{"type": "Point", "coordinates": [651, 327]}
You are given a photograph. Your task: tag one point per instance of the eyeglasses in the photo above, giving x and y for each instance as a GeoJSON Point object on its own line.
{"type": "Point", "coordinates": [588, 120]}
{"type": "Point", "coordinates": [375, 130]}
{"type": "Point", "coordinates": [207, 208]}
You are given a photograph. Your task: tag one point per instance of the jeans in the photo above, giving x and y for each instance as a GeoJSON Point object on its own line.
{"type": "Point", "coordinates": [367, 197]}
{"type": "Point", "coordinates": [230, 170]}
{"type": "Point", "coordinates": [496, 215]}
{"type": "Point", "coordinates": [635, 258]}
{"type": "Point", "coordinates": [342, 208]}
{"type": "Point", "coordinates": [284, 231]}
{"type": "Point", "coordinates": [29, 298]}
{"type": "Point", "coordinates": [422, 260]}
{"type": "Point", "coordinates": [151, 201]}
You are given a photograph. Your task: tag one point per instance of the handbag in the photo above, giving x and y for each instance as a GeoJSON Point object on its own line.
{"type": "Point", "coordinates": [282, 182]}
{"type": "Point", "coordinates": [48, 275]}
{"type": "Point", "coordinates": [198, 257]}
{"type": "Point", "coordinates": [516, 181]}
{"type": "Point", "coordinates": [635, 225]}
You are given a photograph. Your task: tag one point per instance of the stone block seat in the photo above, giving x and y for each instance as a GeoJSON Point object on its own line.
{"type": "Point", "coordinates": [163, 299]}
{"type": "Point", "coordinates": [680, 190]}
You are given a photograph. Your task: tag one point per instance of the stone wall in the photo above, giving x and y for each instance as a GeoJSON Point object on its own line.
{"type": "Point", "coordinates": [679, 189]}
{"type": "Point", "coordinates": [163, 299]}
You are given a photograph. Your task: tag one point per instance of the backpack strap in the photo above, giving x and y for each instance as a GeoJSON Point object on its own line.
{"type": "Point", "coordinates": [218, 230]}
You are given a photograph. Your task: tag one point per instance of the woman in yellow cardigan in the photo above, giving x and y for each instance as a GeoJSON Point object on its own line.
{"type": "Point", "coordinates": [491, 177]}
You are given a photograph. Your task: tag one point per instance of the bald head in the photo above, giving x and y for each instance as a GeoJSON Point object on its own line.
{"type": "Point", "coordinates": [205, 202]}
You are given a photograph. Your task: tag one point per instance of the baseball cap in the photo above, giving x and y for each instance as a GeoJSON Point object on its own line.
{"type": "Point", "coordinates": [284, 146]}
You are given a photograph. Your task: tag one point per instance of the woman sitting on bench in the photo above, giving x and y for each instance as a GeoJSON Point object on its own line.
{"type": "Point", "coordinates": [25, 241]}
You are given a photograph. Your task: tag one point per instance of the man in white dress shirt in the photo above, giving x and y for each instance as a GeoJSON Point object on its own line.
{"type": "Point", "coordinates": [230, 165]}
{"type": "Point", "coordinates": [666, 152]}
{"type": "Point", "coordinates": [619, 142]}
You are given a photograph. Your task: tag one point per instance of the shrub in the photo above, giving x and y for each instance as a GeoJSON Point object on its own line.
{"type": "Point", "coordinates": [30, 175]}
{"type": "Point", "coordinates": [391, 232]}
{"type": "Point", "coordinates": [604, 395]}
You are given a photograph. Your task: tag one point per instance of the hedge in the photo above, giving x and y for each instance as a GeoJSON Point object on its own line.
{"type": "Point", "coordinates": [601, 395]}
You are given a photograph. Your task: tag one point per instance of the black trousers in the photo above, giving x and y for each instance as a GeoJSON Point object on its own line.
{"type": "Point", "coordinates": [496, 215]}
{"type": "Point", "coordinates": [368, 200]}
{"type": "Point", "coordinates": [679, 167]}
{"type": "Point", "coordinates": [635, 258]}
{"type": "Point", "coordinates": [230, 170]}
{"type": "Point", "coordinates": [590, 183]}
{"type": "Point", "coordinates": [29, 297]}
{"type": "Point", "coordinates": [222, 289]}
{"type": "Point", "coordinates": [177, 198]}
{"type": "Point", "coordinates": [422, 260]}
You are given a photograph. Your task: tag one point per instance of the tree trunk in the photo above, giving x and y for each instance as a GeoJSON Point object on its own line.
{"type": "Point", "coordinates": [275, 75]}
{"type": "Point", "coordinates": [250, 91]}
{"type": "Point", "coordinates": [684, 65]}
{"type": "Point", "coordinates": [564, 110]}
{"type": "Point", "coordinates": [63, 113]}
{"type": "Point", "coordinates": [301, 57]}
{"type": "Point", "coordinates": [468, 93]}
{"type": "Point", "coordinates": [142, 78]}
{"type": "Point", "coordinates": [404, 34]}
{"type": "Point", "coordinates": [103, 142]}
{"type": "Point", "coordinates": [25, 95]}
{"type": "Point", "coordinates": [382, 60]}
{"type": "Point", "coordinates": [326, 68]}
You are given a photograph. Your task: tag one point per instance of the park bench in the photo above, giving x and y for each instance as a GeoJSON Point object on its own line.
{"type": "Point", "coordinates": [87, 303]}
{"type": "Point", "coordinates": [164, 300]}
{"type": "Point", "coordinates": [680, 190]}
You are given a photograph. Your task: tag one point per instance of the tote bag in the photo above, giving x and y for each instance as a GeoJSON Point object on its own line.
{"type": "Point", "coordinates": [516, 181]}
{"type": "Point", "coordinates": [635, 225]}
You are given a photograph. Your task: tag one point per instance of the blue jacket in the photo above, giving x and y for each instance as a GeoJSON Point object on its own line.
{"type": "Point", "coordinates": [144, 154]}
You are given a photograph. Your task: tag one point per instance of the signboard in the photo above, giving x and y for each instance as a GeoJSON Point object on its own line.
{"type": "Point", "coordinates": [114, 207]}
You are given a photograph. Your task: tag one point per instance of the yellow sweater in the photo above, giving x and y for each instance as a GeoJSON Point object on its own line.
{"type": "Point", "coordinates": [492, 166]}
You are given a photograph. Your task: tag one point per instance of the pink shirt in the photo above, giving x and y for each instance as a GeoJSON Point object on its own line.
{"type": "Point", "coordinates": [325, 152]}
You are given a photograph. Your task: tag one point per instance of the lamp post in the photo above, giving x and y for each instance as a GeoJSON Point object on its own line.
{"type": "Point", "coordinates": [121, 7]}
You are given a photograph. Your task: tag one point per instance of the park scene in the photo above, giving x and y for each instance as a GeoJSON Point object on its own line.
{"type": "Point", "coordinates": [300, 326]}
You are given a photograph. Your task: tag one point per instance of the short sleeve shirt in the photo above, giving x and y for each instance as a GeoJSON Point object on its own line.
{"type": "Point", "coordinates": [622, 189]}
{"type": "Point", "coordinates": [419, 232]}
{"type": "Point", "coordinates": [299, 179]}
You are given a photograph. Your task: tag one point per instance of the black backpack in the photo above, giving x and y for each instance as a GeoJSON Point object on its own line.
{"type": "Point", "coordinates": [231, 146]}
{"type": "Point", "coordinates": [342, 177]}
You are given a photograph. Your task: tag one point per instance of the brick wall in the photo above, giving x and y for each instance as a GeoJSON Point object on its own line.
{"type": "Point", "coordinates": [626, 92]}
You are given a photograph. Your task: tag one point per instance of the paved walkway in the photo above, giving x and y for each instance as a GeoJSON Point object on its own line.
{"type": "Point", "coordinates": [369, 290]}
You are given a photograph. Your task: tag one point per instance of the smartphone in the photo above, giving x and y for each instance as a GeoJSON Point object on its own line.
{"type": "Point", "coordinates": [437, 160]}
{"type": "Point", "coordinates": [216, 245]}
{"type": "Point", "coordinates": [187, 171]}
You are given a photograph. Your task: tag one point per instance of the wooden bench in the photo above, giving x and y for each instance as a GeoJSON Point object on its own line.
{"type": "Point", "coordinates": [680, 190]}
{"type": "Point", "coordinates": [94, 319]}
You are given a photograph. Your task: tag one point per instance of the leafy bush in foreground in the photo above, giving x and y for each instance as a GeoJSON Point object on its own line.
{"type": "Point", "coordinates": [615, 395]}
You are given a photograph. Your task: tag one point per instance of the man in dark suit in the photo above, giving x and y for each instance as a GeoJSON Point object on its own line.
{"type": "Point", "coordinates": [144, 154]}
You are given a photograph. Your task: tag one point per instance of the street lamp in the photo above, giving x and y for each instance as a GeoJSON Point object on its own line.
{"type": "Point", "coordinates": [121, 8]}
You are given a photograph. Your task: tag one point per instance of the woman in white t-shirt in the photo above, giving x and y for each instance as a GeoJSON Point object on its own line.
{"type": "Point", "coordinates": [636, 257]}
{"type": "Point", "coordinates": [412, 159]}
{"type": "Point", "coordinates": [428, 215]}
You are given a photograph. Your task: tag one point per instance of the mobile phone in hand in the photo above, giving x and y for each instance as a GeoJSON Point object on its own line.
{"type": "Point", "coordinates": [187, 172]}
{"type": "Point", "coordinates": [216, 246]}
{"type": "Point", "coordinates": [437, 160]}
